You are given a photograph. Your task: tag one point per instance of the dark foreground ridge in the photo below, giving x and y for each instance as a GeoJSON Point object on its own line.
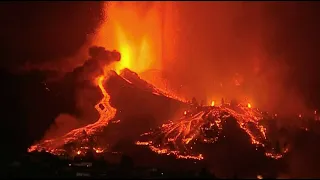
{"type": "Point", "coordinates": [45, 165]}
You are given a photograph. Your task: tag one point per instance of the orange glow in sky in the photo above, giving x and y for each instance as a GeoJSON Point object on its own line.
{"type": "Point", "coordinates": [134, 29]}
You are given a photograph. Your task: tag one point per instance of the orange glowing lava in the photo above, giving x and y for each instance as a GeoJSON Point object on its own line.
{"type": "Point", "coordinates": [212, 103]}
{"type": "Point", "coordinates": [136, 30]}
{"type": "Point", "coordinates": [259, 177]}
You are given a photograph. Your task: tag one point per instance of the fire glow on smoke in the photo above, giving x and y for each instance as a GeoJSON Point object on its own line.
{"type": "Point", "coordinates": [129, 32]}
{"type": "Point", "coordinates": [135, 31]}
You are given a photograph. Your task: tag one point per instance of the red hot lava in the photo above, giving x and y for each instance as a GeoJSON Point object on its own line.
{"type": "Point", "coordinates": [178, 137]}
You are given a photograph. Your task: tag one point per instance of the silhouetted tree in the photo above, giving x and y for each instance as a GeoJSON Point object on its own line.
{"type": "Point", "coordinates": [278, 148]}
{"type": "Point", "coordinates": [222, 101]}
{"type": "Point", "coordinates": [234, 103]}
{"type": "Point", "coordinates": [203, 103]}
{"type": "Point", "coordinates": [194, 101]}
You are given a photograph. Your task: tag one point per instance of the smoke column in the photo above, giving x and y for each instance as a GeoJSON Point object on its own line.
{"type": "Point", "coordinates": [224, 49]}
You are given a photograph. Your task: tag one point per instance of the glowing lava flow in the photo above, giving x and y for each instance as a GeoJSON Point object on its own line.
{"type": "Point", "coordinates": [106, 111]}
{"type": "Point", "coordinates": [205, 125]}
{"type": "Point", "coordinates": [138, 38]}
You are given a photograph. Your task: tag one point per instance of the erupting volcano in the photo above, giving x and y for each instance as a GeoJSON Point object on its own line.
{"type": "Point", "coordinates": [199, 125]}
{"type": "Point", "coordinates": [138, 54]}
{"type": "Point", "coordinates": [141, 51]}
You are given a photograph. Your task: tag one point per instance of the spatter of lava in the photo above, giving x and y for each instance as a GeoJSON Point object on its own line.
{"type": "Point", "coordinates": [204, 125]}
{"type": "Point", "coordinates": [106, 111]}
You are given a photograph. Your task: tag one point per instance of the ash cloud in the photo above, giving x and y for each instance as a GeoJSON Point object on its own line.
{"type": "Point", "coordinates": [99, 58]}
{"type": "Point", "coordinates": [77, 90]}
{"type": "Point", "coordinates": [62, 124]}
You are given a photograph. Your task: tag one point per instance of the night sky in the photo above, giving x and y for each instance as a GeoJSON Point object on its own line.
{"type": "Point", "coordinates": [35, 32]}
{"type": "Point", "coordinates": [45, 31]}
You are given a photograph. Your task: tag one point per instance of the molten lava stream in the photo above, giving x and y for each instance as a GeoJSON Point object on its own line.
{"type": "Point", "coordinates": [106, 114]}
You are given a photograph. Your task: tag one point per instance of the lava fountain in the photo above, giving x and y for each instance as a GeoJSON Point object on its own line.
{"type": "Point", "coordinates": [140, 31]}
{"type": "Point", "coordinates": [134, 29]}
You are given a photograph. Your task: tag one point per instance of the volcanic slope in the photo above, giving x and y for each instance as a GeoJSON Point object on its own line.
{"type": "Point", "coordinates": [135, 105]}
{"type": "Point", "coordinates": [199, 126]}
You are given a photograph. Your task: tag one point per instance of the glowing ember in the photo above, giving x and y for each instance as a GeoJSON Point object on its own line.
{"type": "Point", "coordinates": [78, 152]}
{"type": "Point", "coordinates": [249, 105]}
{"type": "Point", "coordinates": [259, 177]}
{"type": "Point", "coordinates": [277, 155]}
{"type": "Point", "coordinates": [98, 150]}
{"type": "Point", "coordinates": [212, 103]}
{"type": "Point", "coordinates": [204, 125]}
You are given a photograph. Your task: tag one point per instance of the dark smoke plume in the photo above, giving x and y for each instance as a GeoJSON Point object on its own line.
{"type": "Point", "coordinates": [79, 85]}
{"type": "Point", "coordinates": [99, 58]}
